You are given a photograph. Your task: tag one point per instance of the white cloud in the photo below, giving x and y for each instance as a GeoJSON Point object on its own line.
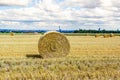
{"type": "Point", "coordinates": [14, 2]}
{"type": "Point", "coordinates": [70, 14]}
{"type": "Point", "coordinates": [9, 23]}
{"type": "Point", "coordinates": [116, 3]}
{"type": "Point", "coordinates": [49, 5]}
{"type": "Point", "coordinates": [106, 3]}
{"type": "Point", "coordinates": [82, 3]}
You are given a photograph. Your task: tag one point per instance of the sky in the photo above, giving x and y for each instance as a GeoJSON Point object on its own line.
{"type": "Point", "coordinates": [68, 14]}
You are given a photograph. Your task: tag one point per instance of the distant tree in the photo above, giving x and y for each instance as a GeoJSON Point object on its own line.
{"type": "Point", "coordinates": [96, 31]}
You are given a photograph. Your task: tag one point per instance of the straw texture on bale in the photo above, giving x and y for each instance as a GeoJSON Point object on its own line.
{"type": "Point", "coordinates": [106, 35]}
{"type": "Point", "coordinates": [97, 35]}
{"type": "Point", "coordinates": [112, 35]}
{"type": "Point", "coordinates": [53, 44]}
{"type": "Point", "coordinates": [11, 33]}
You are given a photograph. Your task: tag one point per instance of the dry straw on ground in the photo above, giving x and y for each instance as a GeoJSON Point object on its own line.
{"type": "Point", "coordinates": [53, 44]}
{"type": "Point", "coordinates": [87, 34]}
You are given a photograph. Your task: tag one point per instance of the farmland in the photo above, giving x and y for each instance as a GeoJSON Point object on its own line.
{"type": "Point", "coordinates": [90, 58]}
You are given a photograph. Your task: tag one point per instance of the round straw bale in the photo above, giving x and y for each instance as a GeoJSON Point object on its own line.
{"type": "Point", "coordinates": [53, 44]}
{"type": "Point", "coordinates": [11, 33]}
{"type": "Point", "coordinates": [112, 35]}
{"type": "Point", "coordinates": [97, 35]}
{"type": "Point", "coordinates": [106, 35]}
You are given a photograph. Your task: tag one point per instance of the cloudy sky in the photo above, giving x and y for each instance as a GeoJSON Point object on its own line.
{"type": "Point", "coordinates": [68, 14]}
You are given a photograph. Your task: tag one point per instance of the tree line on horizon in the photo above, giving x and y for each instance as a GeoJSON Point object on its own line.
{"type": "Point", "coordinates": [63, 31]}
{"type": "Point", "coordinates": [96, 31]}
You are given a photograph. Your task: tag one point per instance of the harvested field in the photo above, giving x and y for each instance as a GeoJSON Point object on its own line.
{"type": "Point", "coordinates": [90, 58]}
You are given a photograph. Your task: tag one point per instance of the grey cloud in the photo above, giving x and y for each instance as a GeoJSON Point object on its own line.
{"type": "Point", "coordinates": [82, 3]}
{"type": "Point", "coordinates": [14, 2]}
{"type": "Point", "coordinates": [89, 12]}
{"type": "Point", "coordinates": [116, 3]}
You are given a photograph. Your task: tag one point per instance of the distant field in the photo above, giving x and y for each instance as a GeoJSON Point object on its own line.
{"type": "Point", "coordinates": [67, 34]}
{"type": "Point", "coordinates": [89, 34]}
{"type": "Point", "coordinates": [90, 58]}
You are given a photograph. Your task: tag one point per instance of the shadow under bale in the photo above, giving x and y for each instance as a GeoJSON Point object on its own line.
{"type": "Point", "coordinates": [33, 56]}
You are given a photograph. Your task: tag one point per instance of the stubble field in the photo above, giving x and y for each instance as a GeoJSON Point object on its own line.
{"type": "Point", "coordinates": [90, 58]}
